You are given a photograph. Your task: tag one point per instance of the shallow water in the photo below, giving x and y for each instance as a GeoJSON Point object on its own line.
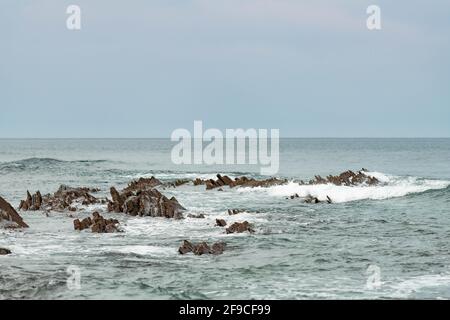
{"type": "Point", "coordinates": [298, 250]}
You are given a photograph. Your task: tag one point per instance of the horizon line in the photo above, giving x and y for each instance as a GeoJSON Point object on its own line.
{"type": "Point", "coordinates": [168, 138]}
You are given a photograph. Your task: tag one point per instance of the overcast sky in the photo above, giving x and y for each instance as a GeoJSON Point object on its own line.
{"type": "Point", "coordinates": [142, 68]}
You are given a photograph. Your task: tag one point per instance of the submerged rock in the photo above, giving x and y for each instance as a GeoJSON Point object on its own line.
{"type": "Point", "coordinates": [201, 248]}
{"type": "Point", "coordinates": [98, 224]}
{"type": "Point", "coordinates": [239, 227]}
{"type": "Point", "coordinates": [9, 215]}
{"type": "Point", "coordinates": [61, 200]}
{"type": "Point", "coordinates": [196, 216]}
{"type": "Point", "coordinates": [4, 251]}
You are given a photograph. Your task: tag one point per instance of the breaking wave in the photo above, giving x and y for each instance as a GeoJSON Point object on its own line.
{"type": "Point", "coordinates": [391, 187]}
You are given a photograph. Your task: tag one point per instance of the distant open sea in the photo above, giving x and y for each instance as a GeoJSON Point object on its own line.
{"type": "Point", "coordinates": [299, 250]}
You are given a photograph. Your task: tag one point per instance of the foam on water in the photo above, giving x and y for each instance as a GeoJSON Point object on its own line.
{"type": "Point", "coordinates": [391, 187]}
{"type": "Point", "coordinates": [144, 250]}
{"type": "Point", "coordinates": [408, 287]}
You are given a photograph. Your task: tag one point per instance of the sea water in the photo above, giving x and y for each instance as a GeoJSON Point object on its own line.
{"type": "Point", "coordinates": [400, 229]}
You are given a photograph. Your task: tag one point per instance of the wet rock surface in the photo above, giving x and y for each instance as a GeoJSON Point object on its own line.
{"type": "Point", "coordinates": [178, 183]}
{"type": "Point", "coordinates": [147, 201]}
{"type": "Point", "coordinates": [143, 184]}
{"type": "Point", "coordinates": [239, 227]}
{"type": "Point", "coordinates": [202, 248]}
{"type": "Point", "coordinates": [4, 251]}
{"type": "Point", "coordinates": [221, 223]}
{"type": "Point", "coordinates": [9, 216]}
{"type": "Point", "coordinates": [347, 178]}
{"type": "Point", "coordinates": [196, 216]}
{"type": "Point", "coordinates": [97, 223]}
{"type": "Point", "coordinates": [61, 200]}
{"type": "Point", "coordinates": [237, 182]}
{"type": "Point", "coordinates": [232, 212]}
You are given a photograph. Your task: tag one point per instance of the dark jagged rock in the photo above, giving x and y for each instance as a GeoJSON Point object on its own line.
{"type": "Point", "coordinates": [143, 184]}
{"type": "Point", "coordinates": [239, 227]}
{"type": "Point", "coordinates": [218, 247]}
{"type": "Point", "coordinates": [198, 182]}
{"type": "Point", "coordinates": [61, 200]}
{"type": "Point", "coordinates": [311, 199]}
{"type": "Point", "coordinates": [32, 202]}
{"type": "Point", "coordinates": [185, 247]}
{"type": "Point", "coordinates": [98, 224]}
{"type": "Point", "coordinates": [201, 248]}
{"type": "Point", "coordinates": [238, 182]}
{"type": "Point", "coordinates": [196, 216]}
{"type": "Point", "coordinates": [233, 212]}
{"type": "Point", "coordinates": [221, 223]}
{"type": "Point", "coordinates": [347, 178]}
{"type": "Point", "coordinates": [4, 251]}
{"type": "Point", "coordinates": [179, 182]}
{"type": "Point", "coordinates": [10, 215]}
{"type": "Point", "coordinates": [146, 202]}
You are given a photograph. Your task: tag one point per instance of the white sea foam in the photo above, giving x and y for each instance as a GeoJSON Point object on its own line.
{"type": "Point", "coordinates": [144, 250]}
{"type": "Point", "coordinates": [391, 187]}
{"type": "Point", "coordinates": [410, 286]}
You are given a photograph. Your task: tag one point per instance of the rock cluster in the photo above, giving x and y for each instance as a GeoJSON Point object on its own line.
{"type": "Point", "coordinates": [143, 184]}
{"type": "Point", "coordinates": [241, 182]}
{"type": "Point", "coordinates": [61, 200]}
{"type": "Point", "coordinates": [201, 248]}
{"type": "Point", "coordinates": [4, 251]}
{"type": "Point", "coordinates": [144, 202]}
{"type": "Point", "coordinates": [98, 224]}
{"type": "Point", "coordinates": [347, 178]}
{"type": "Point", "coordinates": [9, 215]}
{"type": "Point", "coordinates": [239, 227]}
{"type": "Point", "coordinates": [179, 182]}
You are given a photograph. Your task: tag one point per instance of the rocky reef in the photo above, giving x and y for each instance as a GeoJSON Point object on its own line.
{"type": "Point", "coordinates": [239, 227]}
{"type": "Point", "coordinates": [142, 199]}
{"type": "Point", "coordinates": [98, 224]}
{"type": "Point", "coordinates": [61, 200]}
{"type": "Point", "coordinates": [201, 248]}
{"type": "Point", "coordinates": [237, 182]}
{"type": "Point", "coordinates": [347, 178]}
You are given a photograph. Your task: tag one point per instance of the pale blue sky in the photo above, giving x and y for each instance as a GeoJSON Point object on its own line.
{"type": "Point", "coordinates": [144, 68]}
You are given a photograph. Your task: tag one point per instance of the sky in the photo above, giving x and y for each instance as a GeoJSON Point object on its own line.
{"type": "Point", "coordinates": [143, 68]}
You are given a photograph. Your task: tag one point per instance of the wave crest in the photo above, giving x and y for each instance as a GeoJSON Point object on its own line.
{"type": "Point", "coordinates": [392, 187]}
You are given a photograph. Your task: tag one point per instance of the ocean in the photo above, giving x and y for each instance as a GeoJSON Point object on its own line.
{"type": "Point", "coordinates": [373, 242]}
